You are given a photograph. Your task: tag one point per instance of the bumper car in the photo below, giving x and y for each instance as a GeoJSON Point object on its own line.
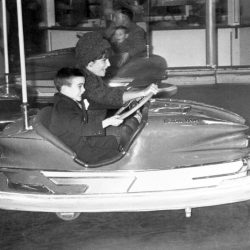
{"type": "Point", "coordinates": [41, 70]}
{"type": "Point", "coordinates": [181, 155]}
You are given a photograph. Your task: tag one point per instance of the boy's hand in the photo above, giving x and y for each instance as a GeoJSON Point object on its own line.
{"type": "Point", "coordinates": [151, 89]}
{"type": "Point", "coordinates": [112, 121]}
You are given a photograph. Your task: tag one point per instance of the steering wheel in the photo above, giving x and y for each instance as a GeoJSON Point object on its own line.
{"type": "Point", "coordinates": [167, 88]}
{"type": "Point", "coordinates": [135, 108]}
{"type": "Point", "coordinates": [124, 106]}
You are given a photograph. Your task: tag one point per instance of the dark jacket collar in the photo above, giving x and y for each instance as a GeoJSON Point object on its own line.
{"type": "Point", "coordinates": [59, 96]}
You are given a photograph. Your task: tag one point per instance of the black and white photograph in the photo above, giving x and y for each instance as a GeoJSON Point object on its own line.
{"type": "Point", "coordinates": [124, 124]}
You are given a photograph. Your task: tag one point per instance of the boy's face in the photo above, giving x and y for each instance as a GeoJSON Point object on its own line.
{"type": "Point", "coordinates": [120, 19]}
{"type": "Point", "coordinates": [76, 89]}
{"type": "Point", "coordinates": [98, 67]}
{"type": "Point", "coordinates": [120, 35]}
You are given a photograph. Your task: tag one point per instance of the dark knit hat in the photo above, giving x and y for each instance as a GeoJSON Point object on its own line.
{"type": "Point", "coordinates": [89, 47]}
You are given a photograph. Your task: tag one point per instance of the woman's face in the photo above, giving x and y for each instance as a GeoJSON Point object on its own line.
{"type": "Point", "coordinates": [99, 66]}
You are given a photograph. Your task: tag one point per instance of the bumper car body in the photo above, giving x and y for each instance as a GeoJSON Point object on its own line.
{"type": "Point", "coordinates": [181, 155]}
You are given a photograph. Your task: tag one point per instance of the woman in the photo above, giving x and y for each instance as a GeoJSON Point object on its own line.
{"type": "Point", "coordinates": [92, 58]}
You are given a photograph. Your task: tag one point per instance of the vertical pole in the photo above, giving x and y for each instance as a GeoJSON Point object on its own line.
{"type": "Point", "coordinates": [5, 46]}
{"type": "Point", "coordinates": [233, 7]}
{"type": "Point", "coordinates": [5, 38]}
{"type": "Point", "coordinates": [147, 29]}
{"type": "Point", "coordinates": [22, 63]}
{"type": "Point", "coordinates": [5, 90]}
{"type": "Point", "coordinates": [49, 12]}
{"type": "Point", "coordinates": [211, 34]}
{"type": "Point", "coordinates": [49, 20]}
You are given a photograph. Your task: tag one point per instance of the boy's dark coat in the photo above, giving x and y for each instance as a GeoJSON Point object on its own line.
{"type": "Point", "coordinates": [70, 123]}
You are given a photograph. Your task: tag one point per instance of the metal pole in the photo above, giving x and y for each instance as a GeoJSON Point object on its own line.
{"type": "Point", "coordinates": [22, 63]}
{"type": "Point", "coordinates": [211, 34]}
{"type": "Point", "coordinates": [5, 46]}
{"type": "Point", "coordinates": [5, 91]}
{"type": "Point", "coordinates": [5, 38]}
{"type": "Point", "coordinates": [147, 29]}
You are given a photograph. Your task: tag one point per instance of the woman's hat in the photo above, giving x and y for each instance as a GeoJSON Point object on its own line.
{"type": "Point", "coordinates": [89, 47]}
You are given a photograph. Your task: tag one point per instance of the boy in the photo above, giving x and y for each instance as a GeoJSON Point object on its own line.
{"type": "Point", "coordinates": [137, 38]}
{"type": "Point", "coordinates": [120, 46]}
{"type": "Point", "coordinates": [70, 123]}
{"type": "Point", "coordinates": [119, 42]}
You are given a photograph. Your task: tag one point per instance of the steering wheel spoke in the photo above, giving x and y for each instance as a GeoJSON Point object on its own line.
{"type": "Point", "coordinates": [126, 105]}
{"type": "Point", "coordinates": [140, 103]}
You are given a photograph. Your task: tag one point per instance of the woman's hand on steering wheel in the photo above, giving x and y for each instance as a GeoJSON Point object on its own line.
{"type": "Point", "coordinates": [140, 103]}
{"type": "Point", "coordinates": [143, 96]}
{"type": "Point", "coordinates": [151, 89]}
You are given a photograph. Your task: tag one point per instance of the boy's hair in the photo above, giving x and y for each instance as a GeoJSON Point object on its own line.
{"type": "Point", "coordinates": [125, 29]}
{"type": "Point", "coordinates": [64, 76]}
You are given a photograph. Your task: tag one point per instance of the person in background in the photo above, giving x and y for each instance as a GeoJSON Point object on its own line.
{"type": "Point", "coordinates": [135, 63]}
{"type": "Point", "coordinates": [119, 45]}
{"type": "Point", "coordinates": [93, 59]}
{"type": "Point", "coordinates": [136, 40]}
{"type": "Point", "coordinates": [136, 6]}
{"type": "Point", "coordinates": [119, 42]}
{"type": "Point", "coordinates": [71, 124]}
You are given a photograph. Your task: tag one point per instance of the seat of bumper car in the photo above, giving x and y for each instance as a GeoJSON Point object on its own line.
{"type": "Point", "coordinates": [129, 130]}
{"type": "Point", "coordinates": [41, 125]}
